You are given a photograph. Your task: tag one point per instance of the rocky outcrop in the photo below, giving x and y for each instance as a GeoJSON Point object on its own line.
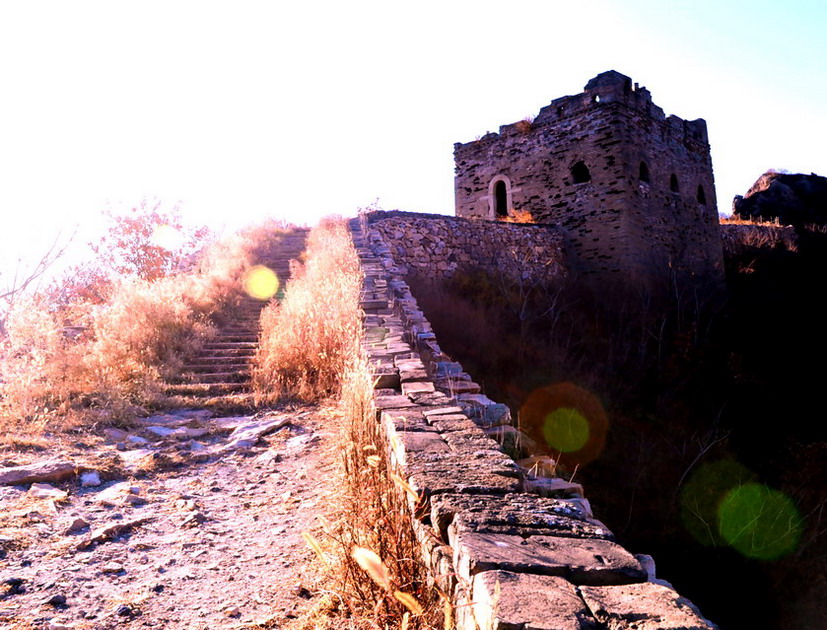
{"type": "Point", "coordinates": [793, 199]}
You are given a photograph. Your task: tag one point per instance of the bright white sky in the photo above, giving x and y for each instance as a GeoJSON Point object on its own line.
{"type": "Point", "coordinates": [242, 110]}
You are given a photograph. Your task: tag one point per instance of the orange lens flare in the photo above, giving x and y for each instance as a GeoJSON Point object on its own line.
{"type": "Point", "coordinates": [567, 421]}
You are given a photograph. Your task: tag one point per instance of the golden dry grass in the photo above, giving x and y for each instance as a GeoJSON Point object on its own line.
{"type": "Point", "coordinates": [311, 347]}
{"type": "Point", "coordinates": [307, 339]}
{"type": "Point", "coordinates": [75, 354]}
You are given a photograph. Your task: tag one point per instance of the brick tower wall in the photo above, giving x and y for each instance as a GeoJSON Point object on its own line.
{"type": "Point", "coordinates": [617, 226]}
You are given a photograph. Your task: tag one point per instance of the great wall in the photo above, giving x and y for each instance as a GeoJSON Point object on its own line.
{"type": "Point", "coordinates": [516, 550]}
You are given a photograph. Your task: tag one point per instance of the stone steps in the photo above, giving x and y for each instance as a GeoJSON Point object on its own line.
{"type": "Point", "coordinates": [219, 376]}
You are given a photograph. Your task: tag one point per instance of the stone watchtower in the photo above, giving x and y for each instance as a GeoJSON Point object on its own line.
{"type": "Point", "coordinates": [632, 188]}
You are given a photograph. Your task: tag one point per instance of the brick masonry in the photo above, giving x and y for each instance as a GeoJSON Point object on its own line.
{"type": "Point", "coordinates": [437, 246]}
{"type": "Point", "coordinates": [632, 188]}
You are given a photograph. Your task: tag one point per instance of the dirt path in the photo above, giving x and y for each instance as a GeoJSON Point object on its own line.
{"type": "Point", "coordinates": [199, 527]}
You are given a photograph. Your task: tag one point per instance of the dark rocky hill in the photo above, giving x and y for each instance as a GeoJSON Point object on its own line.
{"type": "Point", "coordinates": [794, 199]}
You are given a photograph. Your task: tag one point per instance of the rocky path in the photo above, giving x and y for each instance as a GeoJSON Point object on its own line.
{"type": "Point", "coordinates": [200, 527]}
{"type": "Point", "coordinates": [192, 519]}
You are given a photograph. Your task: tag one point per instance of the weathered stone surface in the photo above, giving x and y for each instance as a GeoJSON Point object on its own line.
{"type": "Point", "coordinates": [384, 377]}
{"type": "Point", "coordinates": [43, 471]}
{"type": "Point", "coordinates": [406, 419]}
{"type": "Point", "coordinates": [416, 387]}
{"type": "Point", "coordinates": [514, 514]}
{"type": "Point", "coordinates": [581, 561]}
{"type": "Point", "coordinates": [432, 399]}
{"type": "Point", "coordinates": [404, 444]}
{"type": "Point", "coordinates": [391, 401]}
{"type": "Point", "coordinates": [111, 531]}
{"type": "Point", "coordinates": [47, 491]}
{"type": "Point", "coordinates": [408, 374]}
{"type": "Point", "coordinates": [552, 487]}
{"type": "Point", "coordinates": [455, 386]}
{"type": "Point", "coordinates": [115, 495]}
{"type": "Point", "coordinates": [470, 441]}
{"type": "Point", "coordinates": [453, 422]}
{"type": "Point", "coordinates": [503, 600]}
{"type": "Point", "coordinates": [644, 606]}
{"type": "Point", "coordinates": [248, 434]}
{"type": "Point", "coordinates": [441, 411]}
{"type": "Point", "coordinates": [432, 474]}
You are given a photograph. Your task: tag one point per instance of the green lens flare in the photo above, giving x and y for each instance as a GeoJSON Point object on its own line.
{"type": "Point", "coordinates": [566, 430]}
{"type": "Point", "coordinates": [759, 522]}
{"type": "Point", "coordinates": [702, 494]}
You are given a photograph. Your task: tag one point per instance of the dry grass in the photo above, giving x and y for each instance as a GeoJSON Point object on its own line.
{"type": "Point", "coordinates": [372, 556]}
{"type": "Point", "coordinates": [77, 353]}
{"type": "Point", "coordinates": [311, 346]}
{"type": "Point", "coordinates": [517, 216]}
{"type": "Point", "coordinates": [307, 339]}
{"type": "Point", "coordinates": [525, 125]}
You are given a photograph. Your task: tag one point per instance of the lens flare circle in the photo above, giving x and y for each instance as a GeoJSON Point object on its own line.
{"type": "Point", "coordinates": [261, 283]}
{"type": "Point", "coordinates": [566, 422]}
{"type": "Point", "coordinates": [702, 494]}
{"type": "Point", "coordinates": [167, 237]}
{"type": "Point", "coordinates": [760, 522]}
{"type": "Point", "coordinates": [566, 430]}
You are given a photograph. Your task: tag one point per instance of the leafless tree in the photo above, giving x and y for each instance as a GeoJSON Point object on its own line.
{"type": "Point", "coordinates": [24, 278]}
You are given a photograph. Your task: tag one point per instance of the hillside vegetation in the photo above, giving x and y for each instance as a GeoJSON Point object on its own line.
{"type": "Point", "coordinates": [95, 345]}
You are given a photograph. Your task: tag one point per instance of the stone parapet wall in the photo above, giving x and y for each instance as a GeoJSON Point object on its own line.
{"type": "Point", "coordinates": [438, 246]}
{"type": "Point", "coordinates": [512, 550]}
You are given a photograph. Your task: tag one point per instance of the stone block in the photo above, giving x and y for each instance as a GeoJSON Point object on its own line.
{"type": "Point", "coordinates": [406, 419]}
{"type": "Point", "coordinates": [404, 358]}
{"type": "Point", "coordinates": [405, 445]}
{"type": "Point", "coordinates": [385, 378]}
{"type": "Point", "coordinates": [393, 400]}
{"type": "Point", "coordinates": [438, 473]}
{"type": "Point", "coordinates": [431, 399]}
{"type": "Point", "coordinates": [417, 387]}
{"type": "Point", "coordinates": [643, 606]}
{"type": "Point", "coordinates": [513, 514]}
{"type": "Point", "coordinates": [503, 600]}
{"type": "Point", "coordinates": [441, 411]}
{"type": "Point", "coordinates": [456, 386]}
{"type": "Point", "coordinates": [552, 487]}
{"type": "Point", "coordinates": [442, 369]}
{"type": "Point", "coordinates": [582, 561]}
{"type": "Point", "coordinates": [411, 374]}
{"type": "Point", "coordinates": [452, 422]}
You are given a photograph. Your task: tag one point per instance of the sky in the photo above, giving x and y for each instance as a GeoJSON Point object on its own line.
{"type": "Point", "coordinates": [239, 111]}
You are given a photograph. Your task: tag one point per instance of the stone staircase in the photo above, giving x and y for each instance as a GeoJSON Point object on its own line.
{"type": "Point", "coordinates": [219, 376]}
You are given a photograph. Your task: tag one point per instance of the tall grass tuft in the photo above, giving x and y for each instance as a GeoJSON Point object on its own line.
{"type": "Point", "coordinates": [379, 575]}
{"type": "Point", "coordinates": [307, 339]}
{"type": "Point", "coordinates": [311, 346]}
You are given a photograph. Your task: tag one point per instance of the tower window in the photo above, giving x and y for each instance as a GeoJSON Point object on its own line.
{"type": "Point", "coordinates": [500, 199]}
{"type": "Point", "coordinates": [644, 172]}
{"type": "Point", "coordinates": [701, 195]}
{"type": "Point", "coordinates": [580, 173]}
{"type": "Point", "coordinates": [673, 183]}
